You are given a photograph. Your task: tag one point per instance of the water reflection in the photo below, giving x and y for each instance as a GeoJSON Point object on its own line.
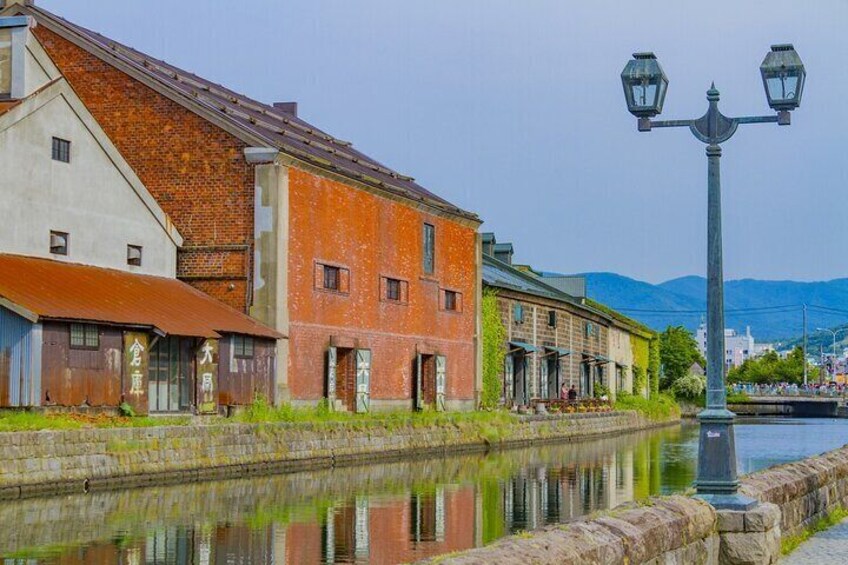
{"type": "Point", "coordinates": [390, 513]}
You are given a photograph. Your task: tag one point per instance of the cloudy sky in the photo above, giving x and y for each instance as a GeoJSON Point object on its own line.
{"type": "Point", "coordinates": [513, 109]}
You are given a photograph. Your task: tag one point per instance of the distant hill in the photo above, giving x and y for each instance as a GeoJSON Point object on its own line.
{"type": "Point", "coordinates": [682, 301]}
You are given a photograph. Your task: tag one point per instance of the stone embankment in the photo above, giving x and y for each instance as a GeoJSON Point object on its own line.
{"type": "Point", "coordinates": [680, 530]}
{"type": "Point", "coordinates": [48, 462]}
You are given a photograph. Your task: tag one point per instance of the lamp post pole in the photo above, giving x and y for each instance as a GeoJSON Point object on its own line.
{"type": "Point", "coordinates": [833, 333]}
{"type": "Point", "coordinates": [645, 84]}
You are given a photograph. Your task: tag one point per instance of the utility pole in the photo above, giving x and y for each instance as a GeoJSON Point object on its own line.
{"type": "Point", "coordinates": [805, 345]}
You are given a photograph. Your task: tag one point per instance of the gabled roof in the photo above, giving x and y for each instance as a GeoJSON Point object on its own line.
{"type": "Point", "coordinates": [39, 289]}
{"type": "Point", "coordinates": [498, 274]}
{"type": "Point", "coordinates": [15, 111]}
{"type": "Point", "coordinates": [252, 121]}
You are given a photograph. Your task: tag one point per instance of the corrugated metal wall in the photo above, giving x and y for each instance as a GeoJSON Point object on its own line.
{"type": "Point", "coordinates": [20, 360]}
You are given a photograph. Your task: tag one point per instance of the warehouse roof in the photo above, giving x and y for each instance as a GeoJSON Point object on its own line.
{"type": "Point", "coordinates": [39, 289]}
{"type": "Point", "coordinates": [253, 121]}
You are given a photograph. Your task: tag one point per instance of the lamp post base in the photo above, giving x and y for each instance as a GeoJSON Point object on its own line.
{"type": "Point", "coordinates": [717, 483]}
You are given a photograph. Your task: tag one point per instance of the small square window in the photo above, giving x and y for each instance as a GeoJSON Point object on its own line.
{"type": "Point", "coordinates": [59, 242]}
{"type": "Point", "coordinates": [134, 255]}
{"type": "Point", "coordinates": [450, 300]}
{"type": "Point", "coordinates": [518, 313]}
{"type": "Point", "coordinates": [392, 289]}
{"type": "Point", "coordinates": [552, 318]}
{"type": "Point", "coordinates": [331, 277]}
{"type": "Point", "coordinates": [61, 150]}
{"type": "Point", "coordinates": [243, 346]}
{"type": "Point", "coordinates": [85, 336]}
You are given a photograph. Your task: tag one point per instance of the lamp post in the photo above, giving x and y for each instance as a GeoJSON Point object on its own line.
{"type": "Point", "coordinates": [833, 332]}
{"type": "Point", "coordinates": [645, 86]}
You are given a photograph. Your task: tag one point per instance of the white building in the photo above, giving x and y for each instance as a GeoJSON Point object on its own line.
{"type": "Point", "coordinates": [737, 348]}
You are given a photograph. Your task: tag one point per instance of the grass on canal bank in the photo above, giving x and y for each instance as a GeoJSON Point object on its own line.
{"type": "Point", "coordinates": [490, 424]}
{"type": "Point", "coordinates": [790, 543]}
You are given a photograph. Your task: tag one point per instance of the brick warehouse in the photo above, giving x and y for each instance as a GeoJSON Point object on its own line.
{"type": "Point", "coordinates": [380, 308]}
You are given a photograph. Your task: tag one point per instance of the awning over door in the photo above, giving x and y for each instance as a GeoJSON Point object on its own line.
{"type": "Point", "coordinates": [520, 345]}
{"type": "Point", "coordinates": [558, 351]}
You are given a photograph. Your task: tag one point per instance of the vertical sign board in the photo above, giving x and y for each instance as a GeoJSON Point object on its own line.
{"type": "Point", "coordinates": [441, 382]}
{"type": "Point", "coordinates": [544, 386]}
{"type": "Point", "coordinates": [508, 377]}
{"type": "Point", "coordinates": [136, 362]}
{"type": "Point", "coordinates": [419, 367]}
{"type": "Point", "coordinates": [207, 377]}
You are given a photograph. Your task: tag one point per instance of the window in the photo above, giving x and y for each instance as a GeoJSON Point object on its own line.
{"type": "Point", "coordinates": [590, 329]}
{"type": "Point", "coordinates": [429, 262]}
{"type": "Point", "coordinates": [331, 277]}
{"type": "Point", "coordinates": [85, 336]}
{"type": "Point", "coordinates": [134, 255]}
{"type": "Point", "coordinates": [450, 300]}
{"type": "Point", "coordinates": [393, 289]}
{"type": "Point", "coordinates": [61, 150]}
{"type": "Point", "coordinates": [243, 346]}
{"type": "Point", "coordinates": [59, 243]}
{"type": "Point", "coordinates": [518, 313]}
{"type": "Point", "coordinates": [552, 318]}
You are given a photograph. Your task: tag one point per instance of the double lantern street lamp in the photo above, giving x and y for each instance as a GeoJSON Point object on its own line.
{"type": "Point", "coordinates": [645, 85]}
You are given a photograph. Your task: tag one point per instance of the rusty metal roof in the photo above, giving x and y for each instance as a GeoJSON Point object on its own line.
{"type": "Point", "coordinates": [284, 131]}
{"type": "Point", "coordinates": [55, 290]}
{"type": "Point", "coordinates": [5, 106]}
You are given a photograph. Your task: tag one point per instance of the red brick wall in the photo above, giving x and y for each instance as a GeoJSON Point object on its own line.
{"type": "Point", "coordinates": [195, 170]}
{"type": "Point", "coordinates": [374, 237]}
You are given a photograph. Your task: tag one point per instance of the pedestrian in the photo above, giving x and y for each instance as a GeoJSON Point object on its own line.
{"type": "Point", "coordinates": [563, 392]}
{"type": "Point", "coordinates": [572, 393]}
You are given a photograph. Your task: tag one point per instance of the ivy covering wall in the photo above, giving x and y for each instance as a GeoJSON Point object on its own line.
{"type": "Point", "coordinates": [640, 348]}
{"type": "Point", "coordinates": [494, 349]}
{"type": "Point", "coordinates": [654, 368]}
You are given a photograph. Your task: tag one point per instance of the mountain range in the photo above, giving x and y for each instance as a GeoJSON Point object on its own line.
{"type": "Point", "coordinates": [773, 309]}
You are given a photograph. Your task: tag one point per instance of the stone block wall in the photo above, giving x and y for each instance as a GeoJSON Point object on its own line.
{"type": "Point", "coordinates": [805, 490]}
{"type": "Point", "coordinates": [75, 460]}
{"type": "Point", "coordinates": [669, 531]}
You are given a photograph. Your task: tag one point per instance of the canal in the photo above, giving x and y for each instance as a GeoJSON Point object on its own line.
{"type": "Point", "coordinates": [386, 513]}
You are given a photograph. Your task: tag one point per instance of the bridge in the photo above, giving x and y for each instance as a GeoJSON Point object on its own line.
{"type": "Point", "coordinates": [797, 406]}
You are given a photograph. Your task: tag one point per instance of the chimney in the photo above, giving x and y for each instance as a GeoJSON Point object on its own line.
{"type": "Point", "coordinates": [14, 32]}
{"type": "Point", "coordinates": [287, 108]}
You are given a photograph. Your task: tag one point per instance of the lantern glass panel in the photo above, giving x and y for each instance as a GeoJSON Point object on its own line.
{"type": "Point", "coordinates": [644, 94]}
{"type": "Point", "coordinates": [782, 88]}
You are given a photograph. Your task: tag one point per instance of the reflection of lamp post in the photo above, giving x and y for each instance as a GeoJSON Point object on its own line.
{"type": "Point", "coordinates": [645, 86]}
{"type": "Point", "coordinates": [833, 332]}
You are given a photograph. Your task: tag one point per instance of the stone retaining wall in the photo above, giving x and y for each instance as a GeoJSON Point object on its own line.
{"type": "Point", "coordinates": [77, 460]}
{"type": "Point", "coordinates": [805, 490]}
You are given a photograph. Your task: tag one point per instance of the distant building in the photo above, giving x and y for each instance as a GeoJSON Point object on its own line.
{"type": "Point", "coordinates": [737, 348]}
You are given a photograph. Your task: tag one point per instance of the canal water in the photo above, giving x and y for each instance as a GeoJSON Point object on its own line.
{"type": "Point", "coordinates": [386, 513]}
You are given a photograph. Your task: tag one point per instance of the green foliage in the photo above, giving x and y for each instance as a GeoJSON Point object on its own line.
{"type": "Point", "coordinates": [789, 543]}
{"type": "Point", "coordinates": [640, 348]}
{"type": "Point", "coordinates": [770, 368]}
{"type": "Point", "coordinates": [654, 367]}
{"type": "Point", "coordinates": [126, 410]}
{"type": "Point", "coordinates": [737, 398]}
{"type": "Point", "coordinates": [24, 420]}
{"type": "Point", "coordinates": [494, 335]}
{"type": "Point", "coordinates": [660, 408]}
{"type": "Point", "coordinates": [689, 387]}
{"type": "Point", "coordinates": [601, 390]}
{"type": "Point", "coordinates": [678, 351]}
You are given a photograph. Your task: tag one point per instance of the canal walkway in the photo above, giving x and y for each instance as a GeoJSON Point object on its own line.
{"type": "Point", "coordinates": [828, 547]}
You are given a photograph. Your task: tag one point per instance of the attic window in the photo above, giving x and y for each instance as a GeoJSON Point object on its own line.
{"type": "Point", "coordinates": [134, 255]}
{"type": "Point", "coordinates": [59, 243]}
{"type": "Point", "coordinates": [5, 63]}
{"type": "Point", "coordinates": [61, 150]}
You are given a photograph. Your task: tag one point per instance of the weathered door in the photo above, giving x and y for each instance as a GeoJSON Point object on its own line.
{"type": "Point", "coordinates": [509, 368]}
{"type": "Point", "coordinates": [419, 375]}
{"type": "Point", "coordinates": [441, 382]}
{"type": "Point", "coordinates": [363, 380]}
{"type": "Point", "coordinates": [332, 361]}
{"type": "Point", "coordinates": [544, 389]}
{"type": "Point", "coordinates": [553, 376]}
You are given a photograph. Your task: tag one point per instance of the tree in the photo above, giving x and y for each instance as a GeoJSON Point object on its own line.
{"type": "Point", "coordinates": [494, 350]}
{"type": "Point", "coordinates": [678, 352]}
{"type": "Point", "coordinates": [770, 368]}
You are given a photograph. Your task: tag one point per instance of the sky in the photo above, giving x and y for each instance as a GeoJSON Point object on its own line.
{"type": "Point", "coordinates": [515, 111]}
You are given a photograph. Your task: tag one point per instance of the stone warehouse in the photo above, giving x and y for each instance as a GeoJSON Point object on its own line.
{"type": "Point", "coordinates": [372, 278]}
{"type": "Point", "coordinates": [556, 339]}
